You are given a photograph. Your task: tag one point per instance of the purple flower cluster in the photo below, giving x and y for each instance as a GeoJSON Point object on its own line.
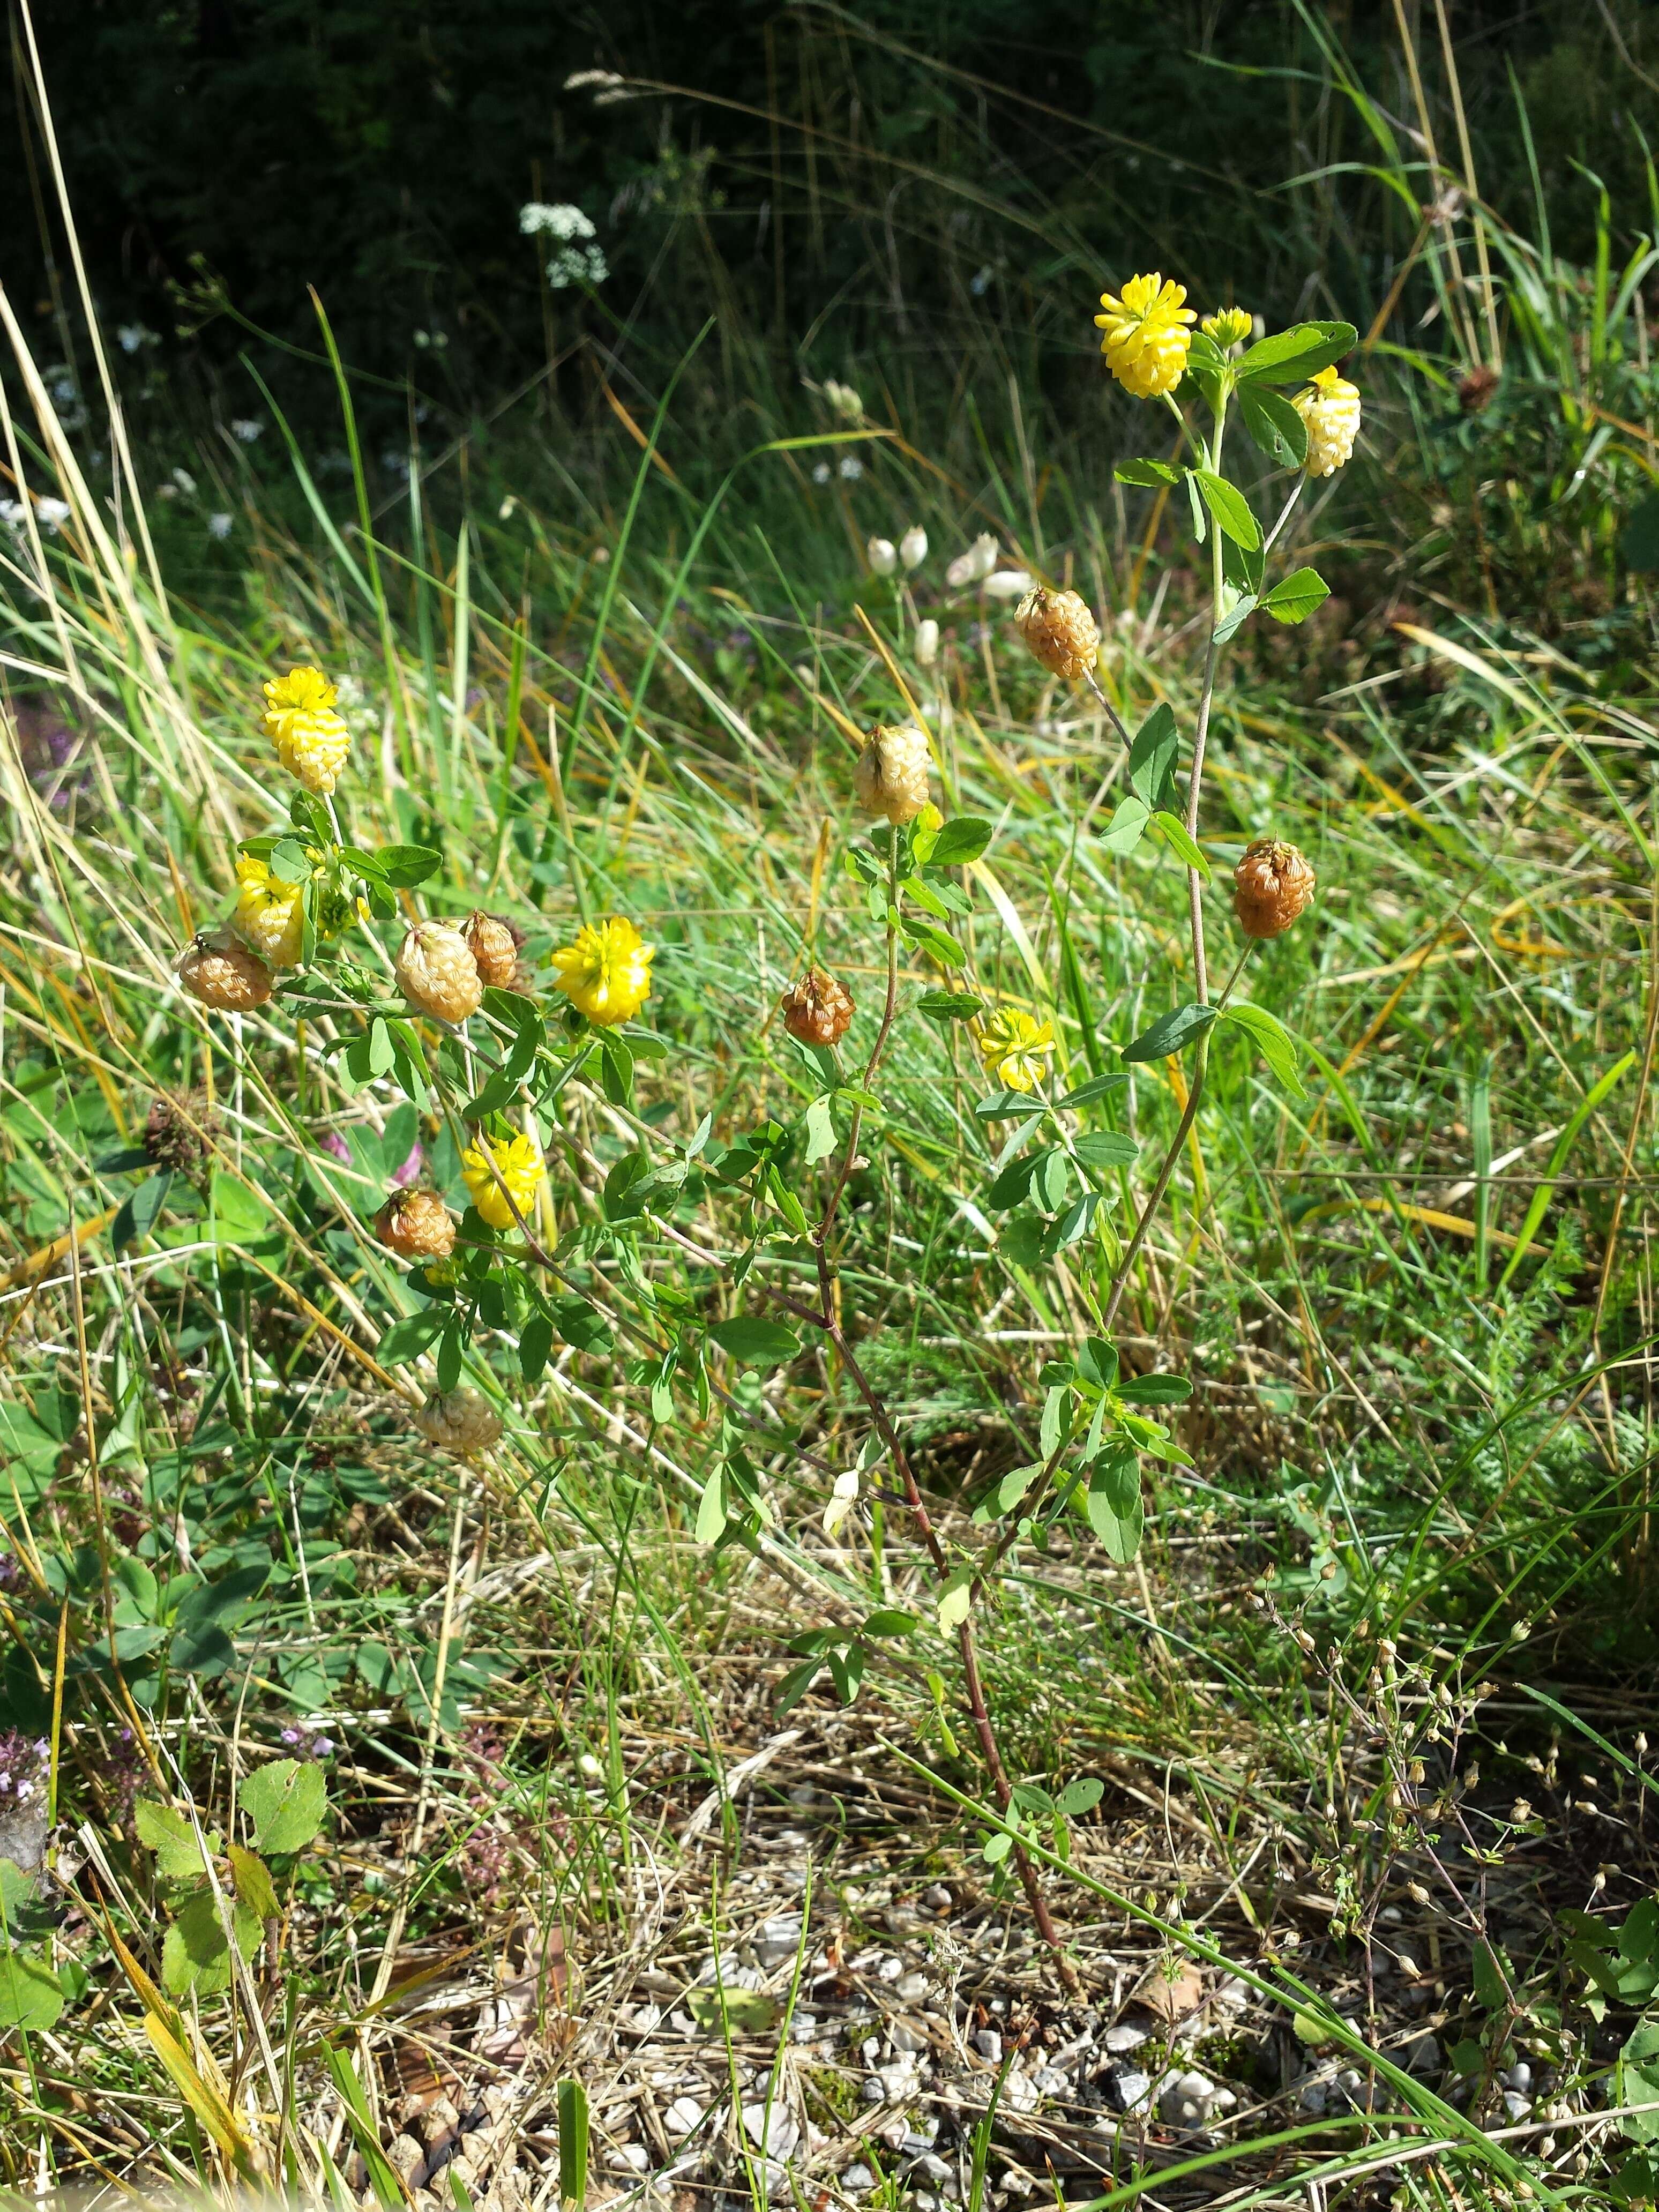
{"type": "Point", "coordinates": [23, 1763]}
{"type": "Point", "coordinates": [301, 1740]}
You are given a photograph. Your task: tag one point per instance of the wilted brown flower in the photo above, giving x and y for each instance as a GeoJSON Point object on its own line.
{"type": "Point", "coordinates": [891, 774]}
{"type": "Point", "coordinates": [437, 974]}
{"type": "Point", "coordinates": [416, 1225]}
{"type": "Point", "coordinates": [1271, 887]}
{"type": "Point", "coordinates": [218, 972]}
{"type": "Point", "coordinates": [493, 944]}
{"type": "Point", "coordinates": [817, 1010]}
{"type": "Point", "coordinates": [1475, 391]}
{"type": "Point", "coordinates": [1060, 631]}
{"type": "Point", "coordinates": [459, 1421]}
{"type": "Point", "coordinates": [171, 1136]}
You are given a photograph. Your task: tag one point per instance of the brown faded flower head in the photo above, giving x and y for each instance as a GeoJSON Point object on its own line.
{"type": "Point", "coordinates": [1271, 887]}
{"type": "Point", "coordinates": [817, 1010]}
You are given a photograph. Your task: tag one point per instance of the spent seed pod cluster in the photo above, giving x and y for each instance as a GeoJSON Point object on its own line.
{"type": "Point", "coordinates": [817, 1010]}
{"type": "Point", "coordinates": [891, 775]}
{"type": "Point", "coordinates": [437, 974]}
{"type": "Point", "coordinates": [459, 1421]}
{"type": "Point", "coordinates": [416, 1225]}
{"type": "Point", "coordinates": [1059, 631]}
{"type": "Point", "coordinates": [1272, 885]}
{"type": "Point", "coordinates": [218, 972]}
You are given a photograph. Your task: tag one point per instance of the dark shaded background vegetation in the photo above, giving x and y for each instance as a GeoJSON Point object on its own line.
{"type": "Point", "coordinates": [832, 180]}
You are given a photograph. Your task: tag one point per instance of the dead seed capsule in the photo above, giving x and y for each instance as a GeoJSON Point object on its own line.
{"type": "Point", "coordinates": [218, 972]}
{"type": "Point", "coordinates": [437, 974]}
{"type": "Point", "coordinates": [493, 944]}
{"type": "Point", "coordinates": [416, 1225]}
{"type": "Point", "coordinates": [891, 775]}
{"type": "Point", "coordinates": [1272, 885]}
{"type": "Point", "coordinates": [817, 1010]}
{"type": "Point", "coordinates": [1061, 632]}
{"type": "Point", "coordinates": [459, 1421]}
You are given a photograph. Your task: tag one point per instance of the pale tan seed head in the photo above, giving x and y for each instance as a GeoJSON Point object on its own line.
{"type": "Point", "coordinates": [218, 972]}
{"type": "Point", "coordinates": [891, 774]}
{"type": "Point", "coordinates": [1272, 885]}
{"type": "Point", "coordinates": [493, 944]}
{"type": "Point", "coordinates": [416, 1225]}
{"type": "Point", "coordinates": [459, 1421]}
{"type": "Point", "coordinates": [1061, 632]}
{"type": "Point", "coordinates": [817, 1010]}
{"type": "Point", "coordinates": [437, 974]}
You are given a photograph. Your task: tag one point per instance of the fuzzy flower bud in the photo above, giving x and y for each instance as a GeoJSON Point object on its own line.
{"type": "Point", "coordinates": [1330, 408]}
{"type": "Point", "coordinates": [926, 643]}
{"type": "Point", "coordinates": [417, 1225]}
{"type": "Point", "coordinates": [883, 555]}
{"type": "Point", "coordinates": [460, 1422]}
{"type": "Point", "coordinates": [437, 974]}
{"type": "Point", "coordinates": [1271, 887]}
{"type": "Point", "coordinates": [913, 546]}
{"type": "Point", "coordinates": [891, 774]}
{"type": "Point", "coordinates": [1061, 632]}
{"type": "Point", "coordinates": [495, 949]}
{"type": "Point", "coordinates": [218, 972]}
{"type": "Point", "coordinates": [311, 739]}
{"type": "Point", "coordinates": [269, 913]}
{"type": "Point", "coordinates": [817, 1010]}
{"type": "Point", "coordinates": [974, 566]}
{"type": "Point", "coordinates": [1144, 335]}
{"type": "Point", "coordinates": [607, 972]}
{"type": "Point", "coordinates": [1014, 1047]}
{"type": "Point", "coordinates": [494, 1162]}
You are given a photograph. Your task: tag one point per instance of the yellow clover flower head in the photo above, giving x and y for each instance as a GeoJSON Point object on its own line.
{"type": "Point", "coordinates": [312, 740]}
{"type": "Point", "coordinates": [607, 972]}
{"type": "Point", "coordinates": [1145, 335]}
{"type": "Point", "coordinates": [269, 917]}
{"type": "Point", "coordinates": [517, 1163]}
{"type": "Point", "coordinates": [1014, 1048]}
{"type": "Point", "coordinates": [1330, 408]}
{"type": "Point", "coordinates": [1229, 327]}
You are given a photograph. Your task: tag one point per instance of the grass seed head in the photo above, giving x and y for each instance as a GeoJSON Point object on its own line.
{"type": "Point", "coordinates": [460, 1422]}
{"type": "Point", "coordinates": [891, 775]}
{"type": "Point", "coordinates": [417, 1225]}
{"type": "Point", "coordinates": [1272, 885]}
{"type": "Point", "coordinates": [437, 974]}
{"type": "Point", "coordinates": [217, 972]}
{"type": "Point", "coordinates": [493, 944]}
{"type": "Point", "coordinates": [817, 1010]}
{"type": "Point", "coordinates": [1061, 632]}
